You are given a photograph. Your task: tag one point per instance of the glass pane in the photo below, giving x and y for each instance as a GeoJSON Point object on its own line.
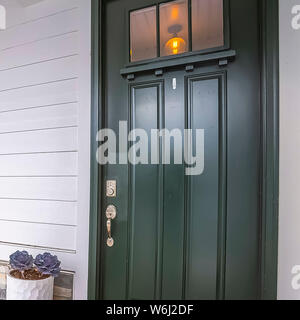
{"type": "Point", "coordinates": [143, 43]}
{"type": "Point", "coordinates": [207, 24]}
{"type": "Point", "coordinates": [174, 31]}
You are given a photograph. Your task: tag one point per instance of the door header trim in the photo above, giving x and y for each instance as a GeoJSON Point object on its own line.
{"type": "Point", "coordinates": [179, 61]}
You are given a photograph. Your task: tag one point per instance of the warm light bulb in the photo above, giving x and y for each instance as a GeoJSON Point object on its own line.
{"type": "Point", "coordinates": [176, 45]}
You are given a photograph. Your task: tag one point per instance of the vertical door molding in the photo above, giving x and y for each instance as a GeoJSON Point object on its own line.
{"type": "Point", "coordinates": [270, 147]}
{"type": "Point", "coordinates": [96, 119]}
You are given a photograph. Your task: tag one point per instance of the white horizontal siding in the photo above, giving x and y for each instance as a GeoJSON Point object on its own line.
{"type": "Point", "coordinates": [39, 164]}
{"type": "Point", "coordinates": [46, 212]}
{"type": "Point", "coordinates": [45, 94]}
{"type": "Point", "coordinates": [49, 71]}
{"type": "Point", "coordinates": [52, 236]}
{"type": "Point", "coordinates": [48, 27]}
{"type": "Point", "coordinates": [16, 15]}
{"type": "Point", "coordinates": [56, 116]}
{"type": "Point", "coordinates": [44, 132]}
{"type": "Point", "coordinates": [39, 188]}
{"type": "Point", "coordinates": [37, 52]}
{"type": "Point", "coordinates": [54, 140]}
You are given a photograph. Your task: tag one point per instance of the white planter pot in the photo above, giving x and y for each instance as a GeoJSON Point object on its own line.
{"type": "Point", "coordinates": [18, 289]}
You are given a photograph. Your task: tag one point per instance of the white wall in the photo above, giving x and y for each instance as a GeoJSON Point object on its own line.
{"type": "Point", "coordinates": [289, 219]}
{"type": "Point", "coordinates": [45, 132]}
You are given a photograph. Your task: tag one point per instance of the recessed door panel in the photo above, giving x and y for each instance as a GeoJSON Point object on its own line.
{"type": "Point", "coordinates": [145, 201]}
{"type": "Point", "coordinates": [205, 110]}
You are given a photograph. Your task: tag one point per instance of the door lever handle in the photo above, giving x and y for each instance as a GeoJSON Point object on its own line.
{"type": "Point", "coordinates": [111, 213]}
{"type": "Point", "coordinates": [108, 225]}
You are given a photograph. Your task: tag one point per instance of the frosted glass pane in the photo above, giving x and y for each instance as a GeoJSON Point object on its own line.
{"type": "Point", "coordinates": [173, 27]}
{"type": "Point", "coordinates": [143, 43]}
{"type": "Point", "coordinates": [207, 24]}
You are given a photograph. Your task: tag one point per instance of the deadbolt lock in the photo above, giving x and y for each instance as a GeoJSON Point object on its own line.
{"type": "Point", "coordinates": [111, 188]}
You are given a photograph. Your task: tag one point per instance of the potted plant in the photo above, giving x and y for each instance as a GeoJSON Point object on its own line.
{"type": "Point", "coordinates": [32, 279]}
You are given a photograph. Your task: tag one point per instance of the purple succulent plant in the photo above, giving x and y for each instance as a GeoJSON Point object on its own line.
{"type": "Point", "coordinates": [48, 264]}
{"type": "Point", "coordinates": [21, 261]}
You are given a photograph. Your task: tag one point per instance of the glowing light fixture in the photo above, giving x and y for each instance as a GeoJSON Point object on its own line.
{"type": "Point", "coordinates": [175, 45]}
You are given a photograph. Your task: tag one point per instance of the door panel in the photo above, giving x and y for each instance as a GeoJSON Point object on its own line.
{"type": "Point", "coordinates": [145, 203]}
{"type": "Point", "coordinates": [178, 236]}
{"type": "Point", "coordinates": [204, 110]}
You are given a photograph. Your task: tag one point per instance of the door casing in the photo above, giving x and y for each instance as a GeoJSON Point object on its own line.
{"type": "Point", "coordinates": [269, 145]}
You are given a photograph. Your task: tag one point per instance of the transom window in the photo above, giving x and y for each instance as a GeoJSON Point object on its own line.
{"type": "Point", "coordinates": [176, 27]}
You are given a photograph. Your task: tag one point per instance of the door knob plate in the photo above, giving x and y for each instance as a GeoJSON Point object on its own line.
{"type": "Point", "coordinates": [111, 212]}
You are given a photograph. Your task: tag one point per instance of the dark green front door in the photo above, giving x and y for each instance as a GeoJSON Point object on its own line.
{"type": "Point", "coordinates": [178, 236]}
